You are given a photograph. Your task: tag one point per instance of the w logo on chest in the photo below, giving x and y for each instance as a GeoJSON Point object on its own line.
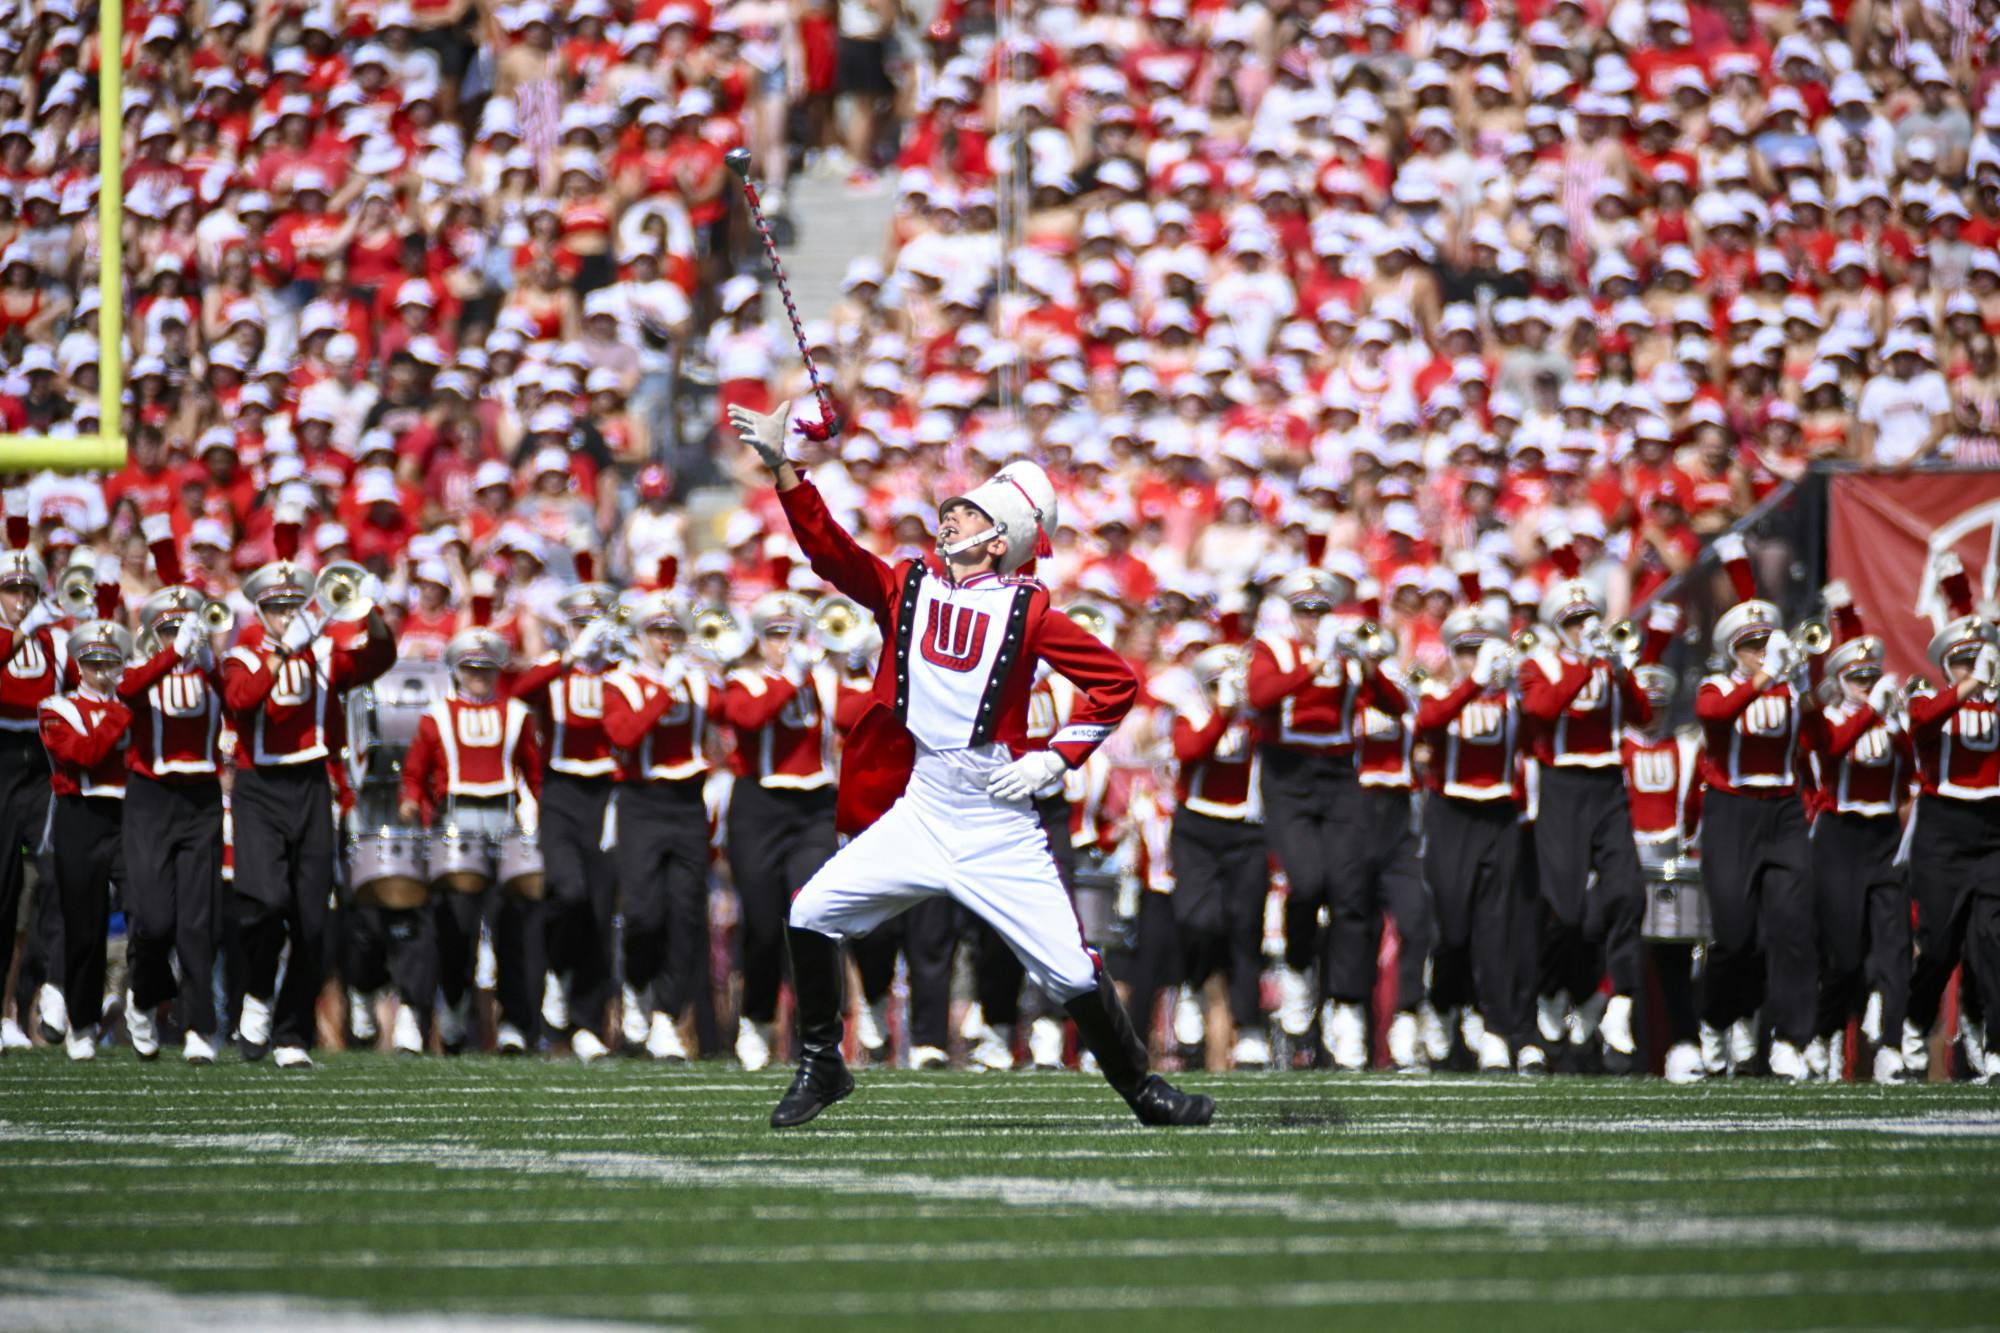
{"type": "Point", "coordinates": [955, 637]}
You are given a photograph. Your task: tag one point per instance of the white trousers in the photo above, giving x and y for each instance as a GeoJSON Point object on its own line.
{"type": "Point", "coordinates": [947, 836]}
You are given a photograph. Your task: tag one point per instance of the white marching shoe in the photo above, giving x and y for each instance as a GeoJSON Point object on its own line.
{"type": "Point", "coordinates": [407, 1038]}
{"type": "Point", "coordinates": [11, 1036]}
{"type": "Point", "coordinates": [1189, 1025]}
{"type": "Point", "coordinates": [555, 1003]}
{"type": "Point", "coordinates": [753, 1045]}
{"type": "Point", "coordinates": [1045, 1043]}
{"type": "Point", "coordinates": [871, 1030]}
{"type": "Point", "coordinates": [1472, 1030]}
{"type": "Point", "coordinates": [1972, 1040]}
{"type": "Point", "coordinates": [1552, 1017]}
{"type": "Point", "coordinates": [1436, 1030]}
{"type": "Point", "coordinates": [360, 1016]}
{"type": "Point", "coordinates": [1252, 1051]}
{"type": "Point", "coordinates": [1714, 1051]}
{"type": "Point", "coordinates": [1916, 1050]}
{"type": "Point", "coordinates": [1788, 1062]}
{"type": "Point", "coordinates": [1871, 1017]}
{"type": "Point", "coordinates": [1616, 1028]}
{"type": "Point", "coordinates": [1685, 1064]}
{"type": "Point", "coordinates": [52, 1011]}
{"type": "Point", "coordinates": [291, 1057]}
{"type": "Point", "coordinates": [196, 1050]}
{"type": "Point", "coordinates": [663, 1039]}
{"type": "Point", "coordinates": [1494, 1057]}
{"type": "Point", "coordinates": [1889, 1065]}
{"type": "Point", "coordinates": [253, 1026]}
{"type": "Point", "coordinates": [507, 1040]}
{"type": "Point", "coordinates": [1343, 1030]}
{"type": "Point", "coordinates": [1836, 1059]}
{"type": "Point", "coordinates": [1742, 1042]}
{"type": "Point", "coordinates": [1816, 1059]}
{"type": "Point", "coordinates": [587, 1046]}
{"type": "Point", "coordinates": [1530, 1060]}
{"type": "Point", "coordinates": [928, 1057]}
{"type": "Point", "coordinates": [1586, 1019]}
{"type": "Point", "coordinates": [633, 1023]}
{"type": "Point", "coordinates": [81, 1043]}
{"type": "Point", "coordinates": [993, 1049]}
{"type": "Point", "coordinates": [1295, 1002]}
{"type": "Point", "coordinates": [1406, 1051]}
{"type": "Point", "coordinates": [143, 1028]}
{"type": "Point", "coordinates": [455, 1023]}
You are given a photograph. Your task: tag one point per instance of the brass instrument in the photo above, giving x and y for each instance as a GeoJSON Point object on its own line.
{"type": "Point", "coordinates": [1812, 637]}
{"type": "Point", "coordinates": [1369, 641]}
{"type": "Point", "coordinates": [1524, 643]}
{"type": "Point", "coordinates": [1416, 678]}
{"type": "Point", "coordinates": [1093, 620]}
{"type": "Point", "coordinates": [1625, 638]}
{"type": "Point", "coordinates": [216, 616]}
{"type": "Point", "coordinates": [719, 636]}
{"type": "Point", "coordinates": [337, 591]}
{"type": "Point", "coordinates": [76, 592]}
{"type": "Point", "coordinates": [841, 624]}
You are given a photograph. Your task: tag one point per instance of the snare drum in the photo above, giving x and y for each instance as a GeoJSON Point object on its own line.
{"type": "Point", "coordinates": [386, 868]}
{"type": "Point", "coordinates": [521, 866]}
{"type": "Point", "coordinates": [402, 697]}
{"type": "Point", "coordinates": [461, 861]}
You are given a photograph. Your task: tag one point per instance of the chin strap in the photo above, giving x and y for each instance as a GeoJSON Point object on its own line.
{"type": "Point", "coordinates": [978, 539]}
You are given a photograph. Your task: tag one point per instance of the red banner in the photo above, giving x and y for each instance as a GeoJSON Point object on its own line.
{"type": "Point", "coordinates": [1883, 529]}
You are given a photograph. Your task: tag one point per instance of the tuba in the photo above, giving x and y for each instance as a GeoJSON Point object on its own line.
{"type": "Point", "coordinates": [840, 623]}
{"type": "Point", "coordinates": [718, 635]}
{"type": "Point", "coordinates": [338, 591]}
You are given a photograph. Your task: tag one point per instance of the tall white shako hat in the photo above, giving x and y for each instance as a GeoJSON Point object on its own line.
{"type": "Point", "coordinates": [1020, 504]}
{"type": "Point", "coordinates": [1752, 616]}
{"type": "Point", "coordinates": [1966, 633]}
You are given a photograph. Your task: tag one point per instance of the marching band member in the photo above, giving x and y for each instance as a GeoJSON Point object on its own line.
{"type": "Point", "coordinates": [780, 703]}
{"type": "Point", "coordinates": [941, 779]}
{"type": "Point", "coordinates": [1221, 869]}
{"type": "Point", "coordinates": [1577, 697]}
{"type": "Point", "coordinates": [1754, 851]}
{"type": "Point", "coordinates": [282, 685]}
{"type": "Point", "coordinates": [658, 710]}
{"type": "Point", "coordinates": [472, 753]}
{"type": "Point", "coordinates": [1303, 688]}
{"type": "Point", "coordinates": [1955, 848]}
{"type": "Point", "coordinates": [1862, 896]}
{"type": "Point", "coordinates": [1663, 790]}
{"type": "Point", "coordinates": [31, 666]}
{"type": "Point", "coordinates": [580, 772]}
{"type": "Point", "coordinates": [173, 811]}
{"type": "Point", "coordinates": [84, 732]}
{"type": "Point", "coordinates": [1473, 834]}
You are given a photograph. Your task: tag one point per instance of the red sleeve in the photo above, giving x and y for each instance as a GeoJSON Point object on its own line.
{"type": "Point", "coordinates": [349, 667]}
{"type": "Point", "coordinates": [835, 555]}
{"type": "Point", "coordinates": [421, 760]}
{"type": "Point", "coordinates": [245, 687]}
{"type": "Point", "coordinates": [1837, 738]}
{"type": "Point", "coordinates": [848, 706]}
{"type": "Point", "coordinates": [528, 756]}
{"type": "Point", "coordinates": [1380, 692]}
{"type": "Point", "coordinates": [1711, 704]}
{"type": "Point", "coordinates": [627, 725]}
{"type": "Point", "coordinates": [1543, 699]}
{"type": "Point", "coordinates": [1636, 703]}
{"type": "Point", "coordinates": [1266, 684]}
{"type": "Point", "coordinates": [137, 680]}
{"type": "Point", "coordinates": [536, 678]}
{"type": "Point", "coordinates": [1929, 711]}
{"type": "Point", "coordinates": [85, 750]}
{"type": "Point", "coordinates": [1192, 744]}
{"type": "Point", "coordinates": [1105, 684]}
{"type": "Point", "coordinates": [747, 711]}
{"type": "Point", "coordinates": [1436, 711]}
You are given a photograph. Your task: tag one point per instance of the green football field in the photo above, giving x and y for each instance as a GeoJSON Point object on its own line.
{"type": "Point", "coordinates": [477, 1191]}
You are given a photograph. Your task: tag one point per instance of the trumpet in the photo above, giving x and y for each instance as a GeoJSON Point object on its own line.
{"type": "Point", "coordinates": [1416, 678]}
{"type": "Point", "coordinates": [1525, 642]}
{"type": "Point", "coordinates": [841, 624]}
{"type": "Point", "coordinates": [76, 591]}
{"type": "Point", "coordinates": [337, 591]}
{"type": "Point", "coordinates": [718, 635]}
{"type": "Point", "coordinates": [216, 616]}
{"type": "Point", "coordinates": [1092, 620]}
{"type": "Point", "coordinates": [1368, 641]}
{"type": "Point", "coordinates": [1624, 638]}
{"type": "Point", "coordinates": [1812, 637]}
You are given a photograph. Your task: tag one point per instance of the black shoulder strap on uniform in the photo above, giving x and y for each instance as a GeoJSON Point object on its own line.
{"type": "Point", "coordinates": [1003, 664]}
{"type": "Point", "coordinates": [906, 631]}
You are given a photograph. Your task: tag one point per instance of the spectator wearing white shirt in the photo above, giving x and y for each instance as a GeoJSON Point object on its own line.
{"type": "Point", "coordinates": [1903, 414]}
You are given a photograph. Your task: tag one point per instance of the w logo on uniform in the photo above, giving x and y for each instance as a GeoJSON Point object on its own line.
{"type": "Point", "coordinates": [955, 638]}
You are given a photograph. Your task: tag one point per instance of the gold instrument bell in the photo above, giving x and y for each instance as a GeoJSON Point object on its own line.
{"type": "Point", "coordinates": [337, 591]}
{"type": "Point", "coordinates": [1812, 637]}
{"type": "Point", "coordinates": [76, 592]}
{"type": "Point", "coordinates": [719, 635]}
{"type": "Point", "coordinates": [841, 624]}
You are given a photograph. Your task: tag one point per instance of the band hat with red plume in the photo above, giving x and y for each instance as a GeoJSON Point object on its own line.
{"type": "Point", "coordinates": [1662, 623]}
{"type": "Point", "coordinates": [1314, 589]}
{"type": "Point", "coordinates": [1020, 507]}
{"type": "Point", "coordinates": [1864, 652]}
{"type": "Point", "coordinates": [158, 529]}
{"type": "Point", "coordinates": [1751, 617]}
{"type": "Point", "coordinates": [1966, 633]}
{"type": "Point", "coordinates": [1569, 598]}
{"type": "Point", "coordinates": [476, 647]}
{"type": "Point", "coordinates": [100, 640]}
{"type": "Point", "coordinates": [23, 567]}
{"type": "Point", "coordinates": [1843, 616]}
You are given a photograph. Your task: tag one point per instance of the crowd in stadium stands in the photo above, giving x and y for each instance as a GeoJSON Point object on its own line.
{"type": "Point", "coordinates": [1397, 290]}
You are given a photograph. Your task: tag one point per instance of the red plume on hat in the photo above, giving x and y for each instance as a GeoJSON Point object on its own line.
{"type": "Point", "coordinates": [17, 518]}
{"type": "Point", "coordinates": [1954, 584]}
{"type": "Point", "coordinates": [1844, 616]}
{"type": "Point", "coordinates": [159, 533]}
{"type": "Point", "coordinates": [1662, 622]}
{"type": "Point", "coordinates": [109, 595]}
{"type": "Point", "coordinates": [1562, 550]}
{"type": "Point", "coordinates": [586, 567]}
{"type": "Point", "coordinates": [482, 609]}
{"type": "Point", "coordinates": [1729, 549]}
{"type": "Point", "coordinates": [286, 529]}
{"type": "Point", "coordinates": [1368, 599]}
{"type": "Point", "coordinates": [667, 572]}
{"type": "Point", "coordinates": [1466, 566]}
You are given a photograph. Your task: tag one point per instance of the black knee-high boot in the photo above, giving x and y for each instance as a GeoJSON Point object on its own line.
{"type": "Point", "coordinates": [1107, 1031]}
{"type": "Point", "coordinates": [822, 1078]}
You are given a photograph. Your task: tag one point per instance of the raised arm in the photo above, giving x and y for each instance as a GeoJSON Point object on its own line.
{"type": "Point", "coordinates": [834, 554]}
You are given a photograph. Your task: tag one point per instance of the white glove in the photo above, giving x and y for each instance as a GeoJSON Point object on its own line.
{"type": "Point", "coordinates": [372, 589]}
{"type": "Point", "coordinates": [302, 631]}
{"type": "Point", "coordinates": [1882, 697]}
{"type": "Point", "coordinates": [39, 615]}
{"type": "Point", "coordinates": [1986, 666]}
{"type": "Point", "coordinates": [1778, 655]}
{"type": "Point", "coordinates": [188, 638]}
{"type": "Point", "coordinates": [763, 431]}
{"type": "Point", "coordinates": [673, 671]}
{"type": "Point", "coordinates": [1229, 692]}
{"type": "Point", "coordinates": [589, 641]}
{"type": "Point", "coordinates": [1489, 666]}
{"type": "Point", "coordinates": [1025, 776]}
{"type": "Point", "coordinates": [1326, 645]}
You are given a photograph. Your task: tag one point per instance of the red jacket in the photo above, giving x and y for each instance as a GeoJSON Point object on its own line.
{"type": "Point", "coordinates": [30, 674]}
{"type": "Point", "coordinates": [476, 749]}
{"type": "Point", "coordinates": [85, 738]}
{"type": "Point", "coordinates": [662, 729]}
{"type": "Point", "coordinates": [290, 716]}
{"type": "Point", "coordinates": [176, 718]}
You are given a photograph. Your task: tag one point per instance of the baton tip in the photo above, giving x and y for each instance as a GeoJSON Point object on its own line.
{"type": "Point", "coordinates": [738, 161]}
